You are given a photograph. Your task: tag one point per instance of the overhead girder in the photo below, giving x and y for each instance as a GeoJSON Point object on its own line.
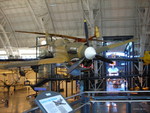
{"type": "Point", "coordinates": [50, 15]}
{"type": "Point", "coordinates": [33, 14]}
{"type": "Point", "coordinates": [9, 23]}
{"type": "Point", "coordinates": [4, 46]}
{"type": "Point", "coordinates": [6, 42]}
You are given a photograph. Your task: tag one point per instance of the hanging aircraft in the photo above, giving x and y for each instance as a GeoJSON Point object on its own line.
{"type": "Point", "coordinates": [146, 58]}
{"type": "Point", "coordinates": [63, 50]}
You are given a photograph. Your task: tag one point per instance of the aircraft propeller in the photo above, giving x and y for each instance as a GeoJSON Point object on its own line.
{"type": "Point", "coordinates": [86, 32]}
{"type": "Point", "coordinates": [89, 53]}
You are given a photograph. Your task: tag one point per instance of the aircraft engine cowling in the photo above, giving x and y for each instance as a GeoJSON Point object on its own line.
{"type": "Point", "coordinates": [73, 50]}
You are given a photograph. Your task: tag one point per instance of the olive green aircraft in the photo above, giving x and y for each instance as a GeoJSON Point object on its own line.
{"type": "Point", "coordinates": [63, 50]}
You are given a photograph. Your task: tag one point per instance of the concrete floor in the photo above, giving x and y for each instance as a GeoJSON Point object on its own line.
{"type": "Point", "coordinates": [17, 101]}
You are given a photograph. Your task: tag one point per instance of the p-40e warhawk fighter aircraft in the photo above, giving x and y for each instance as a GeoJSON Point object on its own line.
{"type": "Point", "coordinates": [146, 58]}
{"type": "Point", "coordinates": [62, 50]}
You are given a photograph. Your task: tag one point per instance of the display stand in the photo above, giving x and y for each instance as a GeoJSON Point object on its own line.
{"type": "Point", "coordinates": [52, 102]}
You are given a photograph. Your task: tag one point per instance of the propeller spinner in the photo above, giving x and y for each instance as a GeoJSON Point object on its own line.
{"type": "Point", "coordinates": [89, 53]}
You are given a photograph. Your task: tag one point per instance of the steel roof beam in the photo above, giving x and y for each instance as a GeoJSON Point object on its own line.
{"type": "Point", "coordinates": [7, 42]}
{"type": "Point", "coordinates": [7, 53]}
{"type": "Point", "coordinates": [33, 14]}
{"type": "Point", "coordinates": [7, 20]}
{"type": "Point", "coordinates": [50, 14]}
{"type": "Point", "coordinates": [8, 46]}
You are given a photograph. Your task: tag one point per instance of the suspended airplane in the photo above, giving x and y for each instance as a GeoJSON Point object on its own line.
{"type": "Point", "coordinates": [146, 58]}
{"type": "Point", "coordinates": [62, 50]}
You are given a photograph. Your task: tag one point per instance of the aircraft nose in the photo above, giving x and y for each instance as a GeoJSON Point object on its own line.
{"type": "Point", "coordinates": [90, 53]}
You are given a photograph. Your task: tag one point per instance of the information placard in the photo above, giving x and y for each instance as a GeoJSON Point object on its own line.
{"type": "Point", "coordinates": [52, 102]}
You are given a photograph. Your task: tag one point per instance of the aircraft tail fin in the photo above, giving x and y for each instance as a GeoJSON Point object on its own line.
{"type": "Point", "coordinates": [97, 32]}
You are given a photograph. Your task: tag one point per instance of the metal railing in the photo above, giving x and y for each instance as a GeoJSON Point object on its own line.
{"type": "Point", "coordinates": [87, 99]}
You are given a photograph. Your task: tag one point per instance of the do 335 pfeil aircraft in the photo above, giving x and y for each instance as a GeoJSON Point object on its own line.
{"type": "Point", "coordinates": [63, 50]}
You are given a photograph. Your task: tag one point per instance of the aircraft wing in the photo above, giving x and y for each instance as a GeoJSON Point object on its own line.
{"type": "Point", "coordinates": [56, 35]}
{"type": "Point", "coordinates": [105, 48]}
{"type": "Point", "coordinates": [12, 64]}
{"type": "Point", "coordinates": [64, 36]}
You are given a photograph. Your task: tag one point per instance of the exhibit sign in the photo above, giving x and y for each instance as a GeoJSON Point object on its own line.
{"type": "Point", "coordinates": [53, 103]}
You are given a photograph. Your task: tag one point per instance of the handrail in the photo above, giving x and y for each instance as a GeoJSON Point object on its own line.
{"type": "Point", "coordinates": [117, 91]}
{"type": "Point", "coordinates": [128, 101]}
{"type": "Point", "coordinates": [81, 106]}
{"type": "Point", "coordinates": [78, 94]}
{"type": "Point", "coordinates": [93, 101]}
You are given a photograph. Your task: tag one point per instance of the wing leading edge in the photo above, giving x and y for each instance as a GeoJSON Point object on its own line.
{"type": "Point", "coordinates": [59, 59]}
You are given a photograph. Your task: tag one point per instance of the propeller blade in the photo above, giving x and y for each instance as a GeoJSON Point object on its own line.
{"type": "Point", "coordinates": [86, 32]}
{"type": "Point", "coordinates": [98, 57]}
{"type": "Point", "coordinates": [75, 65]}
